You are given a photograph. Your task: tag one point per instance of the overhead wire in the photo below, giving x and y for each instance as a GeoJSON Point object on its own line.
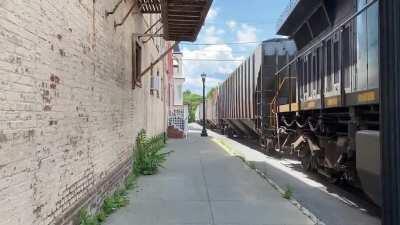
{"type": "Point", "coordinates": [216, 60]}
{"type": "Point", "coordinates": [223, 43]}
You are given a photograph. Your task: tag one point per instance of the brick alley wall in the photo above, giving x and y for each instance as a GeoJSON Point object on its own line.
{"type": "Point", "coordinates": [68, 114]}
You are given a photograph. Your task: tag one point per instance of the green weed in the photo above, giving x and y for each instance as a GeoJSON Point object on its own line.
{"type": "Point", "coordinates": [149, 155]}
{"type": "Point", "coordinates": [288, 193]}
{"type": "Point", "coordinates": [148, 159]}
{"type": "Point", "coordinates": [87, 219]}
{"type": "Point", "coordinates": [252, 165]}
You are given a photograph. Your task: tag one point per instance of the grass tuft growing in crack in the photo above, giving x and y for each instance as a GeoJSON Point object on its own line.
{"type": "Point", "coordinates": [149, 157]}
{"type": "Point", "coordinates": [252, 165]}
{"type": "Point", "coordinates": [110, 204]}
{"type": "Point", "coordinates": [288, 193]}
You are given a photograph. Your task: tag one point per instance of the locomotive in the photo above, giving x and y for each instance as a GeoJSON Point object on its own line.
{"type": "Point", "coordinates": [314, 94]}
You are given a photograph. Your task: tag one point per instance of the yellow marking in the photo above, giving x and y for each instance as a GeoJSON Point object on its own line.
{"type": "Point", "coordinates": [368, 96]}
{"type": "Point", "coordinates": [332, 102]}
{"type": "Point", "coordinates": [311, 105]}
{"type": "Point", "coordinates": [284, 108]}
{"type": "Point", "coordinates": [295, 107]}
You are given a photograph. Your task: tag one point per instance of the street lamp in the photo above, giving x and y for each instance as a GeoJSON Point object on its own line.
{"type": "Point", "coordinates": [204, 131]}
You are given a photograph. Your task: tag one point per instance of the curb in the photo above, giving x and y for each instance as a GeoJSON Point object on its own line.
{"type": "Point", "coordinates": [292, 200]}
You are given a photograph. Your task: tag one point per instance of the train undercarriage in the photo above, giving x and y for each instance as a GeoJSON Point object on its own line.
{"type": "Point", "coordinates": [325, 142]}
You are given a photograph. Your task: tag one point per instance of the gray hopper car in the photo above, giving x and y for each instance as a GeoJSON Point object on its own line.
{"type": "Point", "coordinates": [243, 98]}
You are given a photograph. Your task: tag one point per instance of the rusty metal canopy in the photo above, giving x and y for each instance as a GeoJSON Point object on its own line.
{"type": "Point", "coordinates": [182, 19]}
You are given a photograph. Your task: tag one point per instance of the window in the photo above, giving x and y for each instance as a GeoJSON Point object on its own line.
{"type": "Point", "coordinates": [315, 71]}
{"type": "Point", "coordinates": [329, 65]}
{"type": "Point", "coordinates": [305, 87]}
{"type": "Point", "coordinates": [300, 77]}
{"type": "Point", "coordinates": [346, 56]}
{"type": "Point", "coordinates": [309, 74]}
{"type": "Point", "coordinates": [362, 53]}
{"type": "Point", "coordinates": [373, 45]}
{"type": "Point", "coordinates": [178, 95]}
{"type": "Point", "coordinates": [176, 68]}
{"type": "Point", "coordinates": [320, 68]}
{"type": "Point", "coordinates": [136, 64]}
{"type": "Point", "coordinates": [336, 62]}
{"type": "Point", "coordinates": [155, 84]}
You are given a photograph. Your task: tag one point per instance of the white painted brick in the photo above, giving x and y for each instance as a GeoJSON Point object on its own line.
{"type": "Point", "coordinates": [66, 103]}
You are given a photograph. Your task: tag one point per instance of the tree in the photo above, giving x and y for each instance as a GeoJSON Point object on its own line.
{"type": "Point", "coordinates": [192, 100]}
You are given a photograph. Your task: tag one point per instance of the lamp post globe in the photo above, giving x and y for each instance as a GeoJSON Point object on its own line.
{"type": "Point", "coordinates": [204, 131]}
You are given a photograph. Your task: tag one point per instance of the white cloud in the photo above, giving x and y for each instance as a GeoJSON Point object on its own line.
{"type": "Point", "coordinates": [231, 24]}
{"type": "Point", "coordinates": [210, 52]}
{"type": "Point", "coordinates": [212, 34]}
{"type": "Point", "coordinates": [195, 83]}
{"type": "Point", "coordinates": [216, 71]}
{"type": "Point", "coordinates": [246, 33]}
{"type": "Point", "coordinates": [212, 14]}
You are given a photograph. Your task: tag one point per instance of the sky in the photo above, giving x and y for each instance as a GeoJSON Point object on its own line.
{"type": "Point", "coordinates": [228, 21]}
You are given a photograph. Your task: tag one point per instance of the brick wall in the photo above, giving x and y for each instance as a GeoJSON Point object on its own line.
{"type": "Point", "coordinates": [68, 114]}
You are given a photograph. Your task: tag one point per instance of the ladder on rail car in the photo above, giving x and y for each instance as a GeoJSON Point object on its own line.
{"type": "Point", "coordinates": [274, 108]}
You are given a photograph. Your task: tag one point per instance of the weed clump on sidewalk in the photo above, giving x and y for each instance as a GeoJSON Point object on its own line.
{"type": "Point", "coordinates": [149, 157]}
{"type": "Point", "coordinates": [288, 193]}
{"type": "Point", "coordinates": [110, 204]}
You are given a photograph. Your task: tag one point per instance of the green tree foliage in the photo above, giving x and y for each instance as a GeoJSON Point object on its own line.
{"type": "Point", "coordinates": [192, 100]}
{"type": "Point", "coordinates": [211, 92]}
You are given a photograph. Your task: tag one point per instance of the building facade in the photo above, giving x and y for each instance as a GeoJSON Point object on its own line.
{"type": "Point", "coordinates": [78, 81]}
{"type": "Point", "coordinates": [178, 113]}
{"type": "Point", "coordinates": [179, 77]}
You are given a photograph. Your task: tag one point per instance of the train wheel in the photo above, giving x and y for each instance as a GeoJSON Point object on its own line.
{"type": "Point", "coordinates": [270, 147]}
{"type": "Point", "coordinates": [307, 161]}
{"type": "Point", "coordinates": [230, 133]}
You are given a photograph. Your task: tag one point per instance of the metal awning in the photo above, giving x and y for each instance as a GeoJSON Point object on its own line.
{"type": "Point", "coordinates": [295, 15]}
{"type": "Point", "coordinates": [182, 19]}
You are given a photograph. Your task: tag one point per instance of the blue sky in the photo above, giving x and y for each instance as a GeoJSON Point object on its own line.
{"type": "Point", "coordinates": [229, 21]}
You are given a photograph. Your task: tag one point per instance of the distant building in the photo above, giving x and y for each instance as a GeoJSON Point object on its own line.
{"type": "Point", "coordinates": [179, 77]}
{"type": "Point", "coordinates": [178, 113]}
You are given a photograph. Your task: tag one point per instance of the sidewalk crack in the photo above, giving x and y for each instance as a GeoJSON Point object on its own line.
{"type": "Point", "coordinates": [207, 192]}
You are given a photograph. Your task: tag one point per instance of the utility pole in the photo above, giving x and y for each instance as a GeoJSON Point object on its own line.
{"type": "Point", "coordinates": [389, 11]}
{"type": "Point", "coordinates": [204, 131]}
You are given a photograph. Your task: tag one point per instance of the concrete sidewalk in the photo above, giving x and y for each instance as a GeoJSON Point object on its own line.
{"type": "Point", "coordinates": [203, 185]}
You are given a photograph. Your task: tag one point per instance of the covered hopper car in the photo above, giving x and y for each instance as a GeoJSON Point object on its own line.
{"type": "Point", "coordinates": [243, 98]}
{"type": "Point", "coordinates": [316, 94]}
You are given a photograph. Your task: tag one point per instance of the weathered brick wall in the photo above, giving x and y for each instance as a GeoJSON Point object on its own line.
{"type": "Point", "coordinates": [68, 115]}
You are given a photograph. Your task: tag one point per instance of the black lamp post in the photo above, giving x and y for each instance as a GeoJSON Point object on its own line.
{"type": "Point", "coordinates": [204, 131]}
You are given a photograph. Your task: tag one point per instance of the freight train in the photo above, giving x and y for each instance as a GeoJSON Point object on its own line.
{"type": "Point", "coordinates": [314, 94]}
